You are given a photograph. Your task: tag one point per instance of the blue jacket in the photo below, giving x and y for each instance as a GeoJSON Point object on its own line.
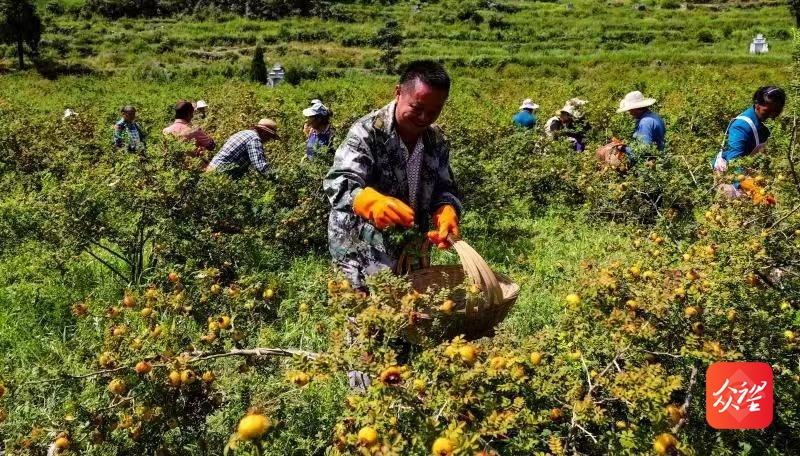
{"type": "Point", "coordinates": [524, 119]}
{"type": "Point", "coordinates": [741, 141]}
{"type": "Point", "coordinates": [318, 141]}
{"type": "Point", "coordinates": [650, 129]}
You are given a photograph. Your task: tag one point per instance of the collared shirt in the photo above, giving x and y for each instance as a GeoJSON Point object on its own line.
{"type": "Point", "coordinates": [650, 129]}
{"type": "Point", "coordinates": [184, 130]}
{"type": "Point", "coordinates": [128, 134]}
{"type": "Point", "coordinates": [741, 140]}
{"type": "Point", "coordinates": [241, 150]}
{"type": "Point", "coordinates": [318, 140]}
{"type": "Point", "coordinates": [413, 167]}
{"type": "Point", "coordinates": [524, 119]}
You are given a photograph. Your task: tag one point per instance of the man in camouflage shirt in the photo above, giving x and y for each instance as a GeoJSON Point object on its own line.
{"type": "Point", "coordinates": [393, 169]}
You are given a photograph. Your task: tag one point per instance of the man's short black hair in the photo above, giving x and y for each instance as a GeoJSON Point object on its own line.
{"type": "Point", "coordinates": [183, 110]}
{"type": "Point", "coordinates": [430, 72]}
{"type": "Point", "coordinates": [770, 95]}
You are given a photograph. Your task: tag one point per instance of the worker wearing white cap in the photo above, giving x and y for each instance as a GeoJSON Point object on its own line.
{"type": "Point", "coordinates": [318, 130]}
{"type": "Point", "coordinates": [526, 118]}
{"type": "Point", "coordinates": [201, 108]}
{"type": "Point", "coordinates": [650, 128]}
{"type": "Point", "coordinates": [563, 125]}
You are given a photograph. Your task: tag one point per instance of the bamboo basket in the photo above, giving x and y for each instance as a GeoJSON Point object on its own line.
{"type": "Point", "coordinates": [474, 316]}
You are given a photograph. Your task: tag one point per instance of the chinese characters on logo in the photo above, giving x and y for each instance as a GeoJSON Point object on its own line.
{"type": "Point", "coordinates": [739, 395]}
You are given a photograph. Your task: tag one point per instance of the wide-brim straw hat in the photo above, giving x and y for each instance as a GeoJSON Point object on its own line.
{"type": "Point", "coordinates": [529, 104]}
{"type": "Point", "coordinates": [268, 126]}
{"type": "Point", "coordinates": [635, 100]}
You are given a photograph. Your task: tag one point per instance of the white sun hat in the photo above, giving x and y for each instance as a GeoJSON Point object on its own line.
{"type": "Point", "coordinates": [69, 113]}
{"type": "Point", "coordinates": [202, 104]}
{"type": "Point", "coordinates": [529, 104]}
{"type": "Point", "coordinates": [635, 100]}
{"type": "Point", "coordinates": [569, 108]}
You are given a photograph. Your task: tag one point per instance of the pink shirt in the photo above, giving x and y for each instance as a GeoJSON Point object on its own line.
{"type": "Point", "coordinates": [182, 129]}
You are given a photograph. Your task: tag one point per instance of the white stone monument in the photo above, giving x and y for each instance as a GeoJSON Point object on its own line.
{"type": "Point", "coordinates": [759, 45]}
{"type": "Point", "coordinates": [275, 75]}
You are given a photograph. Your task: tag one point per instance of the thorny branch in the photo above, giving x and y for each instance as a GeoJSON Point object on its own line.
{"type": "Point", "coordinates": [195, 357]}
{"type": "Point", "coordinates": [685, 406]}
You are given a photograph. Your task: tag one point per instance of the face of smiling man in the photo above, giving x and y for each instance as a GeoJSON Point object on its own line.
{"type": "Point", "coordinates": [418, 106]}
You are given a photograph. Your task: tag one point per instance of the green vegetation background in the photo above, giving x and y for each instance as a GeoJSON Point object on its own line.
{"type": "Point", "coordinates": [693, 60]}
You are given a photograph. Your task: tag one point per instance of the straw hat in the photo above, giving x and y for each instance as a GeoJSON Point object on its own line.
{"type": "Point", "coordinates": [269, 127]}
{"type": "Point", "coordinates": [529, 104]}
{"type": "Point", "coordinates": [635, 100]}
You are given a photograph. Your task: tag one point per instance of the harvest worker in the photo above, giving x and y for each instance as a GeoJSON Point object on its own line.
{"type": "Point", "coordinates": [650, 128]}
{"type": "Point", "coordinates": [317, 128]}
{"type": "Point", "coordinates": [246, 149]}
{"type": "Point", "coordinates": [393, 170]}
{"type": "Point", "coordinates": [563, 125]}
{"type": "Point", "coordinates": [747, 134]}
{"type": "Point", "coordinates": [127, 132]}
{"type": "Point", "coordinates": [183, 129]}
{"type": "Point", "coordinates": [201, 109]}
{"type": "Point", "coordinates": [525, 118]}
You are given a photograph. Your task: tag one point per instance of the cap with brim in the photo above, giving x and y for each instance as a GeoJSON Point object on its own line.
{"type": "Point", "coordinates": [635, 100]}
{"type": "Point", "coordinates": [201, 104]}
{"type": "Point", "coordinates": [268, 127]}
{"type": "Point", "coordinates": [318, 109]}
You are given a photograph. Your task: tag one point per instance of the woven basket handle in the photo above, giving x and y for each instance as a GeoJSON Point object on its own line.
{"type": "Point", "coordinates": [479, 274]}
{"type": "Point", "coordinates": [475, 267]}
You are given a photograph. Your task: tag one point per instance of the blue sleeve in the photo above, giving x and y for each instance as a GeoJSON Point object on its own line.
{"type": "Point", "coordinates": [738, 136]}
{"type": "Point", "coordinates": [645, 131]}
{"type": "Point", "coordinates": [311, 145]}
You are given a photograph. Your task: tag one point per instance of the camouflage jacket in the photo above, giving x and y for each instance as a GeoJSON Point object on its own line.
{"type": "Point", "coordinates": [373, 155]}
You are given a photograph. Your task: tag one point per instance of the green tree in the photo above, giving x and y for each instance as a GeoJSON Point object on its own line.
{"type": "Point", "coordinates": [20, 24]}
{"type": "Point", "coordinates": [258, 69]}
{"type": "Point", "coordinates": [794, 5]}
{"type": "Point", "coordinates": [389, 40]}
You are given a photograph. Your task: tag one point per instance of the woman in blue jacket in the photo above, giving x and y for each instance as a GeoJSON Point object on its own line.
{"type": "Point", "coordinates": [747, 134]}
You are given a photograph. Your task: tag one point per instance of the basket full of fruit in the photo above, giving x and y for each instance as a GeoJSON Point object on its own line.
{"type": "Point", "coordinates": [480, 298]}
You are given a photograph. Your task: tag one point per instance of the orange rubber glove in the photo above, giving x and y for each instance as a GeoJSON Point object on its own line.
{"type": "Point", "coordinates": [445, 219]}
{"type": "Point", "coordinates": [383, 211]}
{"type": "Point", "coordinates": [748, 184]}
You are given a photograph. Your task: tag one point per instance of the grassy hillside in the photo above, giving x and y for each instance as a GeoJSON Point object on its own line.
{"type": "Point", "coordinates": [536, 34]}
{"type": "Point", "coordinates": [553, 220]}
